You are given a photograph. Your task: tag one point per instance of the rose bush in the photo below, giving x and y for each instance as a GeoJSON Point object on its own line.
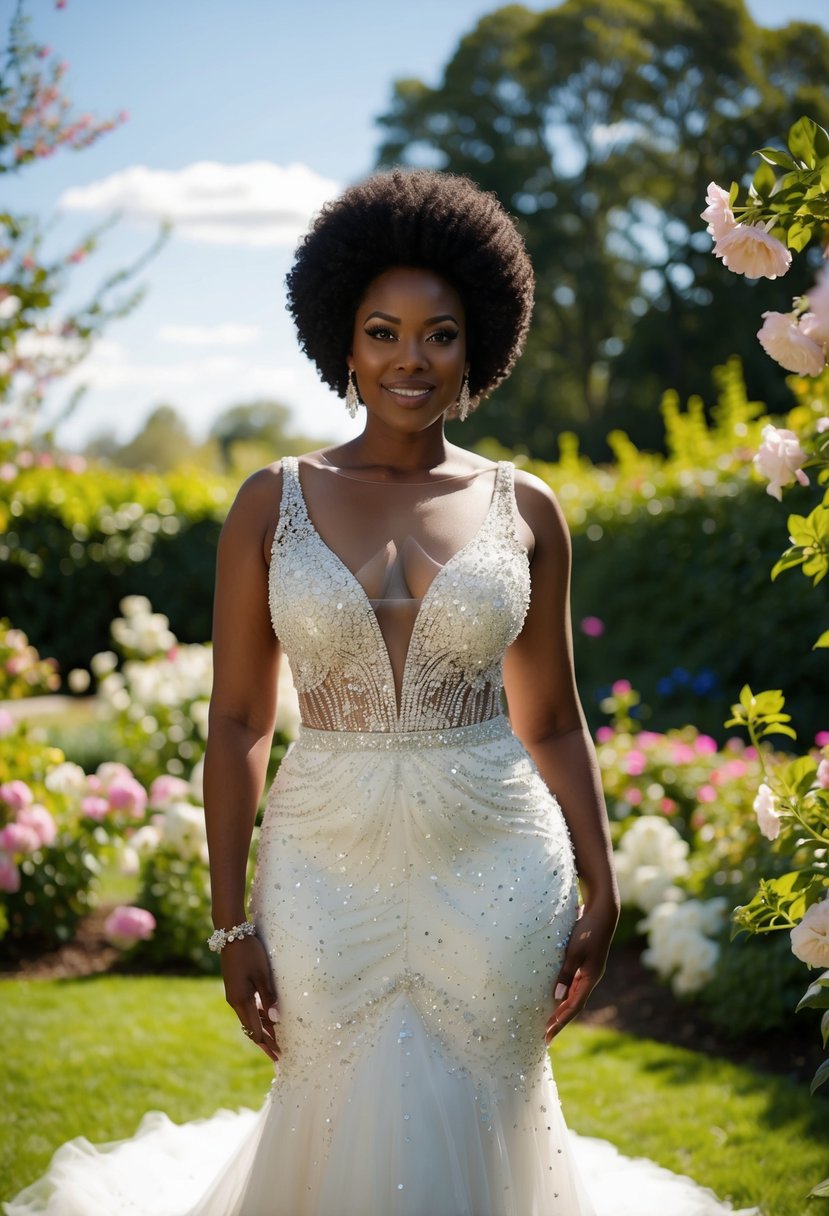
{"type": "Point", "coordinates": [23, 673]}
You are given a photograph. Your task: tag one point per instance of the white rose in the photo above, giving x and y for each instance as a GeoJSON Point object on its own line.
{"type": "Point", "coordinates": [103, 662]}
{"type": "Point", "coordinates": [768, 819]}
{"type": "Point", "coordinates": [779, 458]}
{"type": "Point", "coordinates": [184, 828]}
{"type": "Point", "coordinates": [67, 778]}
{"type": "Point", "coordinates": [718, 214]}
{"type": "Point", "coordinates": [810, 939]}
{"type": "Point", "coordinates": [135, 605]}
{"type": "Point", "coordinates": [749, 249]}
{"type": "Point", "coordinates": [789, 344]}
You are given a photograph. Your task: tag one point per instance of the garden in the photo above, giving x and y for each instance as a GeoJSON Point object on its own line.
{"type": "Point", "coordinates": [701, 643]}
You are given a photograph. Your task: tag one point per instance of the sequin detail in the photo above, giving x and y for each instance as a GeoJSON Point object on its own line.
{"type": "Point", "coordinates": [362, 741]}
{"type": "Point", "coordinates": [472, 611]}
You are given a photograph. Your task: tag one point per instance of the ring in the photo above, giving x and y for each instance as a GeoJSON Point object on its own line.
{"type": "Point", "coordinates": [245, 1030]}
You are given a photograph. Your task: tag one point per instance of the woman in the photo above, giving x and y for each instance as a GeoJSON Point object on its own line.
{"type": "Point", "coordinates": [416, 883]}
{"type": "Point", "coordinates": [416, 941]}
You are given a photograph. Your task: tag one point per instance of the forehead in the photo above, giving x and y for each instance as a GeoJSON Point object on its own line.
{"type": "Point", "coordinates": [412, 289]}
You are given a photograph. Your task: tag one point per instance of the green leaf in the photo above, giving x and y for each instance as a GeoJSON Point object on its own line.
{"type": "Point", "coordinates": [773, 156]}
{"type": "Point", "coordinates": [787, 561]}
{"type": "Point", "coordinates": [821, 142]}
{"type": "Point", "coordinates": [798, 236]}
{"type": "Point", "coordinates": [764, 180]}
{"type": "Point", "coordinates": [816, 995]}
{"type": "Point", "coordinates": [821, 1191]}
{"type": "Point", "coordinates": [823, 641]}
{"type": "Point", "coordinates": [820, 1077]}
{"type": "Point", "coordinates": [824, 1027]}
{"type": "Point", "coordinates": [733, 193]}
{"type": "Point", "coordinates": [801, 141]}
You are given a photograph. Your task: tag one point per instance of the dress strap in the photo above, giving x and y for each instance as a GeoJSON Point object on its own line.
{"type": "Point", "coordinates": [505, 506]}
{"type": "Point", "coordinates": [293, 516]}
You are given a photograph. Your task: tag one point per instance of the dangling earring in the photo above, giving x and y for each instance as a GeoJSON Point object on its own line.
{"type": "Point", "coordinates": [352, 399]}
{"type": "Point", "coordinates": [464, 400]}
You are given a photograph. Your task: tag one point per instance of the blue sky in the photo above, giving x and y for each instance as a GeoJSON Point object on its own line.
{"type": "Point", "coordinates": [269, 103]}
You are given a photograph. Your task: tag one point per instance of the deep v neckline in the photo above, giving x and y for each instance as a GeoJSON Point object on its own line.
{"type": "Point", "coordinates": [398, 695]}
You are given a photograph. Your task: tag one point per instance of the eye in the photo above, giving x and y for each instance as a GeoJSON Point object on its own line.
{"type": "Point", "coordinates": [382, 332]}
{"type": "Point", "coordinates": [443, 336]}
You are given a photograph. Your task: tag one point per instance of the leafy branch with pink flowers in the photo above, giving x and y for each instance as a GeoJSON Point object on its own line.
{"type": "Point", "coordinates": [787, 208]}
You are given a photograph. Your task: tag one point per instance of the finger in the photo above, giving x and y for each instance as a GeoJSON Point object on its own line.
{"type": "Point", "coordinates": [248, 1015]}
{"type": "Point", "coordinates": [570, 1006]}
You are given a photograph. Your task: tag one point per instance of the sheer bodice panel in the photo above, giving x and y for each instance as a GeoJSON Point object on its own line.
{"type": "Point", "coordinates": [399, 619]}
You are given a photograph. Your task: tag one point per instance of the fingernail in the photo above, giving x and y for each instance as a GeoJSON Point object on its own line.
{"type": "Point", "coordinates": [560, 992]}
{"type": "Point", "coordinates": [273, 1013]}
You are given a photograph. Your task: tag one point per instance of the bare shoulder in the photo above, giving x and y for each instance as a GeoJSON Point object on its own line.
{"type": "Point", "coordinates": [255, 510]}
{"type": "Point", "coordinates": [540, 509]}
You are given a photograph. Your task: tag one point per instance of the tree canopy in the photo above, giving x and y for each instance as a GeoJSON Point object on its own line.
{"type": "Point", "coordinates": [599, 124]}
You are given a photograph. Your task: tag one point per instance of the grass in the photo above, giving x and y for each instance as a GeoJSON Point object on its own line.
{"type": "Point", "coordinates": [89, 1057]}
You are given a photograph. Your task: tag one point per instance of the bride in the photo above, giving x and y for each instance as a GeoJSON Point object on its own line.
{"type": "Point", "coordinates": [434, 897]}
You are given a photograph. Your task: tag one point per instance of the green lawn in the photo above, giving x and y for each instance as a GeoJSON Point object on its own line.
{"type": "Point", "coordinates": [89, 1057]}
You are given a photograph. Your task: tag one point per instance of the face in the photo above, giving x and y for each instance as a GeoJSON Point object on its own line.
{"type": "Point", "coordinates": [409, 347]}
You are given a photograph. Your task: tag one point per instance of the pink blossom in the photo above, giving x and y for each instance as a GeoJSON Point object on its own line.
{"type": "Point", "coordinates": [127, 924]}
{"type": "Point", "coordinates": [604, 734]}
{"type": "Point", "coordinates": [706, 793]}
{"type": "Point", "coordinates": [40, 821]}
{"type": "Point", "coordinates": [95, 807]}
{"type": "Point", "coordinates": [620, 688]}
{"type": "Point", "coordinates": [166, 789]}
{"type": "Point", "coordinates": [822, 425]}
{"type": "Point", "coordinates": [633, 796]}
{"type": "Point", "coordinates": [779, 459]}
{"type": "Point", "coordinates": [704, 745]}
{"type": "Point", "coordinates": [815, 328]}
{"type": "Point", "coordinates": [818, 299]}
{"type": "Point", "coordinates": [18, 838]}
{"type": "Point", "coordinates": [782, 337]}
{"type": "Point", "coordinates": [6, 723]}
{"type": "Point", "coordinates": [9, 875]}
{"type": "Point", "coordinates": [749, 249]}
{"type": "Point", "coordinates": [667, 806]}
{"type": "Point", "coordinates": [110, 771]}
{"type": "Point", "coordinates": [682, 753]}
{"type": "Point", "coordinates": [592, 626]}
{"type": "Point", "coordinates": [823, 774]}
{"type": "Point", "coordinates": [127, 794]}
{"type": "Point", "coordinates": [16, 795]}
{"type": "Point", "coordinates": [735, 769]}
{"type": "Point", "coordinates": [8, 471]}
{"type": "Point", "coordinates": [718, 214]}
{"type": "Point", "coordinates": [649, 738]}
{"type": "Point", "coordinates": [768, 820]}
{"type": "Point", "coordinates": [822, 738]}
{"type": "Point", "coordinates": [698, 819]}
{"type": "Point", "coordinates": [635, 762]}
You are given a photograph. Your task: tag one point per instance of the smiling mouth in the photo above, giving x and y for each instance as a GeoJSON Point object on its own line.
{"type": "Point", "coordinates": [410, 394]}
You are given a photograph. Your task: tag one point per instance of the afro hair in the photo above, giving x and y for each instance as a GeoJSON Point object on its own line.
{"type": "Point", "coordinates": [437, 221]}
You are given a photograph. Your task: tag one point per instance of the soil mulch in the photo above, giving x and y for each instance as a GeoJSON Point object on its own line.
{"type": "Point", "coordinates": [629, 998]}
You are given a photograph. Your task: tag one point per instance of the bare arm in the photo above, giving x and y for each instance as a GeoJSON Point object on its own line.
{"type": "Point", "coordinates": [547, 717]}
{"type": "Point", "coordinates": [240, 730]}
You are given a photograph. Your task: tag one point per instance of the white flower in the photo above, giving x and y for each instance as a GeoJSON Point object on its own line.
{"type": "Point", "coordinates": [749, 249]}
{"type": "Point", "coordinates": [135, 605]}
{"type": "Point", "coordinates": [128, 861]}
{"type": "Point", "coordinates": [779, 458]}
{"type": "Point", "coordinates": [818, 299]}
{"type": "Point", "coordinates": [810, 939]}
{"type": "Point", "coordinates": [145, 840]}
{"type": "Point", "coordinates": [768, 819]}
{"type": "Point", "coordinates": [67, 778]}
{"type": "Point", "coordinates": [9, 307]}
{"type": "Point", "coordinates": [103, 662]}
{"type": "Point", "coordinates": [790, 344]}
{"type": "Point", "coordinates": [184, 828]}
{"type": "Point", "coordinates": [718, 214]}
{"type": "Point", "coordinates": [679, 947]}
{"type": "Point", "coordinates": [78, 679]}
{"type": "Point", "coordinates": [649, 857]}
{"type": "Point", "coordinates": [197, 780]}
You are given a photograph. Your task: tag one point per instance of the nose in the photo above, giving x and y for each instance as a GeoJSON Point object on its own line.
{"type": "Point", "coordinates": [411, 355]}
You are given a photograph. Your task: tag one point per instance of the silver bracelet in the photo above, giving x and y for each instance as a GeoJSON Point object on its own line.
{"type": "Point", "coordinates": [220, 937]}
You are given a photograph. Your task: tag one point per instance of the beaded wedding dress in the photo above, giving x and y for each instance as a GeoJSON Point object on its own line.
{"type": "Point", "coordinates": [415, 889]}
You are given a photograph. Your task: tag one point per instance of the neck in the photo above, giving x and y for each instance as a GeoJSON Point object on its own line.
{"type": "Point", "coordinates": [405, 453]}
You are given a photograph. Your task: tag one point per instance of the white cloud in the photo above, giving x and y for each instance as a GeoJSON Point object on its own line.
{"type": "Point", "coordinates": [229, 334]}
{"type": "Point", "coordinates": [259, 204]}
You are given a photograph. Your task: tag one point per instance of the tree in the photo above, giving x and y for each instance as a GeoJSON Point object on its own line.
{"type": "Point", "coordinates": [262, 429]}
{"type": "Point", "coordinates": [162, 443]}
{"type": "Point", "coordinates": [595, 122]}
{"type": "Point", "coordinates": [37, 344]}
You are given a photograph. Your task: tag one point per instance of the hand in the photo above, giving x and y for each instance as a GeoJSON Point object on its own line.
{"type": "Point", "coordinates": [250, 992]}
{"type": "Point", "coordinates": [584, 963]}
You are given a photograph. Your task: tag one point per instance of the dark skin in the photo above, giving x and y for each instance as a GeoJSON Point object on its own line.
{"type": "Point", "coordinates": [409, 358]}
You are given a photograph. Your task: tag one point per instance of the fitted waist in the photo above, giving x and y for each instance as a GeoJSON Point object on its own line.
{"type": "Point", "coordinates": [408, 740]}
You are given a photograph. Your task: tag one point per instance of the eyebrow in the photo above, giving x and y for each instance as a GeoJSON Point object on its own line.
{"type": "Point", "coordinates": [384, 316]}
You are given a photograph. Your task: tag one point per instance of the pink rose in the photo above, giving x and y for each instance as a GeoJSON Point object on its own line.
{"type": "Point", "coordinates": [818, 299]}
{"type": "Point", "coordinates": [749, 249]}
{"type": "Point", "coordinates": [127, 924]}
{"type": "Point", "coordinates": [18, 838]}
{"type": "Point", "coordinates": [667, 806]}
{"type": "Point", "coordinates": [620, 688]}
{"type": "Point", "coordinates": [633, 796]}
{"type": "Point", "coordinates": [718, 214]}
{"type": "Point", "coordinates": [604, 734]}
{"type": "Point", "coordinates": [706, 793]}
{"type": "Point", "coordinates": [779, 459]}
{"type": "Point", "coordinates": [166, 789]}
{"type": "Point", "coordinates": [817, 329]}
{"type": "Point", "coordinates": [823, 774]}
{"type": "Point", "coordinates": [704, 745]}
{"type": "Point", "coordinates": [683, 753]}
{"type": "Point", "coordinates": [810, 939]}
{"type": "Point", "coordinates": [6, 723]}
{"type": "Point", "coordinates": [40, 821]}
{"type": "Point", "coordinates": [635, 763]}
{"type": "Point", "coordinates": [112, 770]}
{"type": "Point", "coordinates": [592, 626]}
{"type": "Point", "coordinates": [789, 344]}
{"type": "Point", "coordinates": [127, 794]}
{"type": "Point", "coordinates": [822, 738]}
{"type": "Point", "coordinates": [9, 875]}
{"type": "Point", "coordinates": [16, 795]}
{"type": "Point", "coordinates": [768, 819]}
{"type": "Point", "coordinates": [95, 807]}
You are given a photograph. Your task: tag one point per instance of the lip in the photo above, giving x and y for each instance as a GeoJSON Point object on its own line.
{"type": "Point", "coordinates": [409, 392]}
